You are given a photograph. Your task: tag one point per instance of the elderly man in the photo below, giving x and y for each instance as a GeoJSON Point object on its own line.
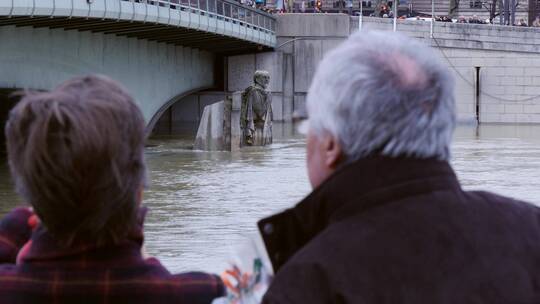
{"type": "Point", "coordinates": [387, 221]}
{"type": "Point", "coordinates": [76, 155]}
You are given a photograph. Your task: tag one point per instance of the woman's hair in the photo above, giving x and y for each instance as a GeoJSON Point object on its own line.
{"type": "Point", "coordinates": [76, 155]}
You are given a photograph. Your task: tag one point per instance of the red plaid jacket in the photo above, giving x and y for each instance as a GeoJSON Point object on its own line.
{"type": "Point", "coordinates": [90, 274]}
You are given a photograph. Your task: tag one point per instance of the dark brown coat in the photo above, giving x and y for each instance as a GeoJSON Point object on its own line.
{"type": "Point", "coordinates": [403, 231]}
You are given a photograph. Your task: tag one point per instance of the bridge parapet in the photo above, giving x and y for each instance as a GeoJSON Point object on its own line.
{"type": "Point", "coordinates": [485, 37]}
{"type": "Point", "coordinates": [219, 25]}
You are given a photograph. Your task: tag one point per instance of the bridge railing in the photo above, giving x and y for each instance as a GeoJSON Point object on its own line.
{"type": "Point", "coordinates": [226, 10]}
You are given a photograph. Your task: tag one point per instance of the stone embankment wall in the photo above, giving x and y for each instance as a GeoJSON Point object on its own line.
{"type": "Point", "coordinates": [507, 59]}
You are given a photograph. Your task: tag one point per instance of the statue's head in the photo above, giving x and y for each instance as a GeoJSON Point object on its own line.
{"type": "Point", "coordinates": [262, 78]}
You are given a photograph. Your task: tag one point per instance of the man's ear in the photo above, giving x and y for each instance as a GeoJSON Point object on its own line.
{"type": "Point", "coordinates": [333, 152]}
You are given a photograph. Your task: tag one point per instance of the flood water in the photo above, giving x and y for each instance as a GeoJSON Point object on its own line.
{"type": "Point", "coordinates": [202, 204]}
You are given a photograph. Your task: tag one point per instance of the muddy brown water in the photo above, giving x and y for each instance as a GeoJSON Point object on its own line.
{"type": "Point", "coordinates": [203, 203]}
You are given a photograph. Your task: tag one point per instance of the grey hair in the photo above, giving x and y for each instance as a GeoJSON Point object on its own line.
{"type": "Point", "coordinates": [383, 93]}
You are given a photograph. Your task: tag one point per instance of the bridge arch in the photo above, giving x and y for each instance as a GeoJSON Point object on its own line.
{"type": "Point", "coordinates": [170, 103]}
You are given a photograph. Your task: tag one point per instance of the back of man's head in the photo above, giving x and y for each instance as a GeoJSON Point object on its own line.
{"type": "Point", "coordinates": [76, 155]}
{"type": "Point", "coordinates": [384, 93]}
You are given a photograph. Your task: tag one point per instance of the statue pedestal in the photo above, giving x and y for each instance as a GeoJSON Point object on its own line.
{"type": "Point", "coordinates": [212, 135]}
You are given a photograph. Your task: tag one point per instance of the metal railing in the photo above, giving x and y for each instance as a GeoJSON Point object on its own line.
{"type": "Point", "coordinates": [226, 10]}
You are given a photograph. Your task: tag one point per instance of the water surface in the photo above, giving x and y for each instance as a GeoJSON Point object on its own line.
{"type": "Point", "coordinates": [201, 203]}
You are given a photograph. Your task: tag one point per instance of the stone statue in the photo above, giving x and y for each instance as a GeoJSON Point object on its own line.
{"type": "Point", "coordinates": [256, 112]}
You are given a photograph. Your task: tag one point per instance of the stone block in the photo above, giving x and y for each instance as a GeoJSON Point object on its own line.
{"type": "Point", "coordinates": [306, 59]}
{"type": "Point", "coordinates": [513, 90]}
{"type": "Point", "coordinates": [492, 89]}
{"type": "Point", "coordinates": [507, 118]}
{"type": "Point", "coordinates": [526, 118]}
{"type": "Point", "coordinates": [513, 71]}
{"type": "Point", "coordinates": [277, 107]}
{"type": "Point", "coordinates": [492, 108]}
{"type": "Point", "coordinates": [523, 80]}
{"type": "Point", "coordinates": [211, 135]}
{"type": "Point", "coordinates": [531, 109]}
{"type": "Point", "coordinates": [489, 117]}
{"type": "Point", "coordinates": [288, 87]}
{"type": "Point", "coordinates": [531, 72]}
{"type": "Point", "coordinates": [513, 108]}
{"type": "Point", "coordinates": [300, 103]}
{"type": "Point", "coordinates": [531, 90]}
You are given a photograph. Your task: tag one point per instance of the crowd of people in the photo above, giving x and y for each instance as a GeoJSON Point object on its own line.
{"type": "Point", "coordinates": [385, 10]}
{"type": "Point", "coordinates": [387, 221]}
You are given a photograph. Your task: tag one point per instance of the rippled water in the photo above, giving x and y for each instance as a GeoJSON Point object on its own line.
{"type": "Point", "coordinates": [202, 203]}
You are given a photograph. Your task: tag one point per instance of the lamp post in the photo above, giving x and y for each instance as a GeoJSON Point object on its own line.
{"type": "Point", "coordinates": [432, 18]}
{"type": "Point", "coordinates": [361, 15]}
{"type": "Point", "coordinates": [395, 3]}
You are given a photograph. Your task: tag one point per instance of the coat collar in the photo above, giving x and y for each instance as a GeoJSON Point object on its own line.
{"type": "Point", "coordinates": [359, 186]}
{"type": "Point", "coordinates": [44, 249]}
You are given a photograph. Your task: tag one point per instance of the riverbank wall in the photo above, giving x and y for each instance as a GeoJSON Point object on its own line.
{"type": "Point", "coordinates": [497, 68]}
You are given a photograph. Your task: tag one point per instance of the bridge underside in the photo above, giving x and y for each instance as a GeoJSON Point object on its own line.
{"type": "Point", "coordinates": [142, 30]}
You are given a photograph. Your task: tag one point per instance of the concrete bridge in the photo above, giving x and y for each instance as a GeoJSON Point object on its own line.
{"type": "Point", "coordinates": [167, 52]}
{"type": "Point", "coordinates": [161, 50]}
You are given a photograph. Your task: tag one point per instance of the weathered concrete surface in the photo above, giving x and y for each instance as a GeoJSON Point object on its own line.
{"type": "Point", "coordinates": [156, 74]}
{"type": "Point", "coordinates": [219, 128]}
{"type": "Point", "coordinates": [312, 25]}
{"type": "Point", "coordinates": [211, 135]}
